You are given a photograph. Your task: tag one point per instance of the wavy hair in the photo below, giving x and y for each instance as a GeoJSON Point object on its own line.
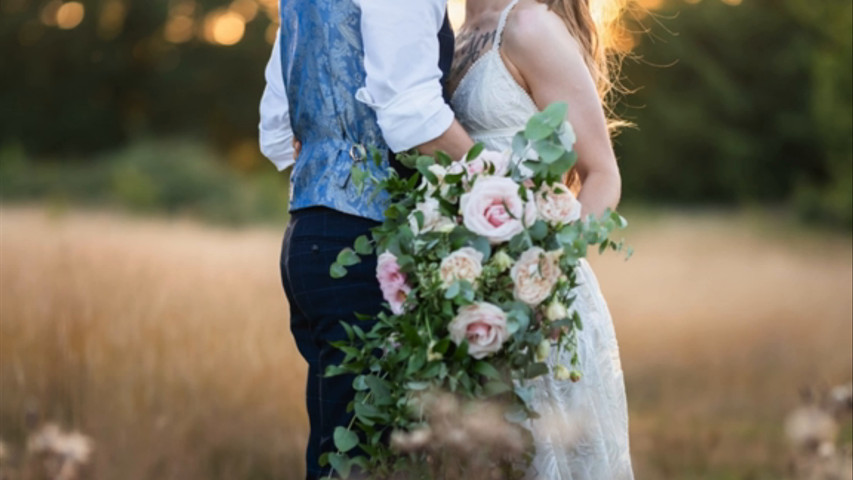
{"type": "Point", "coordinates": [598, 27]}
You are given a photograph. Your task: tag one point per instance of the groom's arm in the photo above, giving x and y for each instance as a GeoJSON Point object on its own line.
{"type": "Point", "coordinates": [275, 133]}
{"type": "Point", "coordinates": [403, 84]}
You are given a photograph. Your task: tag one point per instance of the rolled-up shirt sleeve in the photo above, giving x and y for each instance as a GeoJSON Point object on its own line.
{"type": "Point", "coordinates": [403, 83]}
{"type": "Point", "coordinates": [275, 134]}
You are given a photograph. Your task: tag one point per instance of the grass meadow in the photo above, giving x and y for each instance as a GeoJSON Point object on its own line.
{"type": "Point", "coordinates": [167, 341]}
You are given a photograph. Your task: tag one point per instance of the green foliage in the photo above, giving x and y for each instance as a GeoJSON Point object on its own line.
{"type": "Point", "coordinates": [178, 178]}
{"type": "Point", "coordinates": [116, 78]}
{"type": "Point", "coordinates": [414, 351]}
{"type": "Point", "coordinates": [747, 103]}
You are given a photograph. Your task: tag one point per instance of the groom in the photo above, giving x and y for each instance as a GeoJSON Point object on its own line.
{"type": "Point", "coordinates": [346, 75]}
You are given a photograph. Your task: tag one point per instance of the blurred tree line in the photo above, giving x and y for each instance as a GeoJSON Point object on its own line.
{"type": "Point", "coordinates": [737, 101]}
{"type": "Point", "coordinates": [743, 102]}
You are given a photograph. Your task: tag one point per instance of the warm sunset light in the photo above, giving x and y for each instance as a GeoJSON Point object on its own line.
{"type": "Point", "coordinates": [69, 15]}
{"type": "Point", "coordinates": [247, 9]}
{"type": "Point", "coordinates": [111, 19]}
{"type": "Point", "coordinates": [456, 11]}
{"type": "Point", "coordinates": [224, 28]}
{"type": "Point", "coordinates": [271, 32]}
{"type": "Point", "coordinates": [179, 29]}
{"type": "Point", "coordinates": [650, 4]}
{"type": "Point", "coordinates": [48, 13]}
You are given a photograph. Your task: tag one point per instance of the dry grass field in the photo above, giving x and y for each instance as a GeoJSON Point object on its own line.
{"type": "Point", "coordinates": [166, 341]}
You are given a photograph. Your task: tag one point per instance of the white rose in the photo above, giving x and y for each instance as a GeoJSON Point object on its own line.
{"type": "Point", "coordinates": [535, 274]}
{"type": "Point", "coordinates": [463, 264]}
{"type": "Point", "coordinates": [557, 204]}
{"type": "Point", "coordinates": [433, 219]}
{"type": "Point", "coordinates": [483, 325]}
{"type": "Point", "coordinates": [493, 209]}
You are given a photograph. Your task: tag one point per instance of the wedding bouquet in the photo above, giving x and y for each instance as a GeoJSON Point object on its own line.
{"type": "Point", "coordinates": [476, 261]}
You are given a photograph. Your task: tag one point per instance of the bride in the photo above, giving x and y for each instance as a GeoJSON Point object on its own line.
{"type": "Point", "coordinates": [513, 58]}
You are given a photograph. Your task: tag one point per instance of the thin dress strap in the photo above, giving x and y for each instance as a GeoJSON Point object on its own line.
{"type": "Point", "coordinates": [501, 24]}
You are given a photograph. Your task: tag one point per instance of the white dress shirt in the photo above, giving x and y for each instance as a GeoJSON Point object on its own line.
{"type": "Point", "coordinates": [403, 83]}
{"type": "Point", "coordinates": [274, 132]}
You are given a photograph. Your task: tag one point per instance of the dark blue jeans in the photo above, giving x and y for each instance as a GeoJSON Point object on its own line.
{"type": "Point", "coordinates": [318, 303]}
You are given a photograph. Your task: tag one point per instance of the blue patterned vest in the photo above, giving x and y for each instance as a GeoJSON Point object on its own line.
{"type": "Point", "coordinates": [322, 64]}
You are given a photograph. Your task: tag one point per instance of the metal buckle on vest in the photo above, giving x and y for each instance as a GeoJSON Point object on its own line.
{"type": "Point", "coordinates": [357, 152]}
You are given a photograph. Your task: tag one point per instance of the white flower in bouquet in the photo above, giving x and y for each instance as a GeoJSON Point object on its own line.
{"type": "Point", "coordinates": [562, 373]}
{"type": "Point", "coordinates": [463, 264]}
{"type": "Point", "coordinates": [483, 325]}
{"type": "Point", "coordinates": [441, 187]}
{"type": "Point", "coordinates": [556, 311]}
{"type": "Point", "coordinates": [502, 261]}
{"type": "Point", "coordinates": [493, 209]}
{"type": "Point", "coordinates": [543, 350]}
{"type": "Point", "coordinates": [557, 204]}
{"type": "Point", "coordinates": [434, 221]}
{"type": "Point", "coordinates": [392, 282]}
{"type": "Point", "coordinates": [535, 275]}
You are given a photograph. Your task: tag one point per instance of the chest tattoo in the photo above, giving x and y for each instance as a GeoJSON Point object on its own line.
{"type": "Point", "coordinates": [470, 48]}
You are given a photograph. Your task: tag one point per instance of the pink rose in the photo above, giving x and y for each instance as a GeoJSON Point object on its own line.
{"type": "Point", "coordinates": [483, 325]}
{"type": "Point", "coordinates": [557, 204]}
{"type": "Point", "coordinates": [392, 282]}
{"type": "Point", "coordinates": [494, 210]}
{"type": "Point", "coordinates": [535, 274]}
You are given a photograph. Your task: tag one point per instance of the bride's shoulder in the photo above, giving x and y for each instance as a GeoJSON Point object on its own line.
{"type": "Point", "coordinates": [531, 26]}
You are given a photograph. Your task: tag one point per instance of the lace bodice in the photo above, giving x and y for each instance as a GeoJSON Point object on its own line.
{"type": "Point", "coordinates": [488, 101]}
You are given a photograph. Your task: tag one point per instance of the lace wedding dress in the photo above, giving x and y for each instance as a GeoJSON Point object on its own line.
{"type": "Point", "coordinates": [583, 431]}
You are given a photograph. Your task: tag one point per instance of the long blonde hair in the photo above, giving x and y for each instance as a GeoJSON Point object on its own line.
{"type": "Point", "coordinates": [598, 27]}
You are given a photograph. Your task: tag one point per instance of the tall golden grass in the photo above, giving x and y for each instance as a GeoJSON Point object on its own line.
{"type": "Point", "coordinates": [167, 341]}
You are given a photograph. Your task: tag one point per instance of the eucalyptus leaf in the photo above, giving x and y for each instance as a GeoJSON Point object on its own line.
{"type": "Point", "coordinates": [341, 464]}
{"type": "Point", "coordinates": [519, 144]}
{"type": "Point", "coordinates": [345, 439]}
{"type": "Point", "coordinates": [452, 291]}
{"type": "Point", "coordinates": [337, 270]}
{"type": "Point", "coordinates": [347, 257]}
{"type": "Point", "coordinates": [488, 370]}
{"type": "Point", "coordinates": [548, 151]}
{"type": "Point", "coordinates": [555, 114]}
{"type": "Point", "coordinates": [495, 387]}
{"type": "Point", "coordinates": [537, 128]}
{"type": "Point", "coordinates": [362, 245]}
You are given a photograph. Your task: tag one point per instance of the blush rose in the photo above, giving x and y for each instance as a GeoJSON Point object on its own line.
{"type": "Point", "coordinates": [392, 282]}
{"type": "Point", "coordinates": [535, 274]}
{"type": "Point", "coordinates": [557, 204]}
{"type": "Point", "coordinates": [463, 264]}
{"type": "Point", "coordinates": [483, 325]}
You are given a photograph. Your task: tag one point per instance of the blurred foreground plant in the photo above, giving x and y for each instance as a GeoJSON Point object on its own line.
{"type": "Point", "coordinates": [813, 430]}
